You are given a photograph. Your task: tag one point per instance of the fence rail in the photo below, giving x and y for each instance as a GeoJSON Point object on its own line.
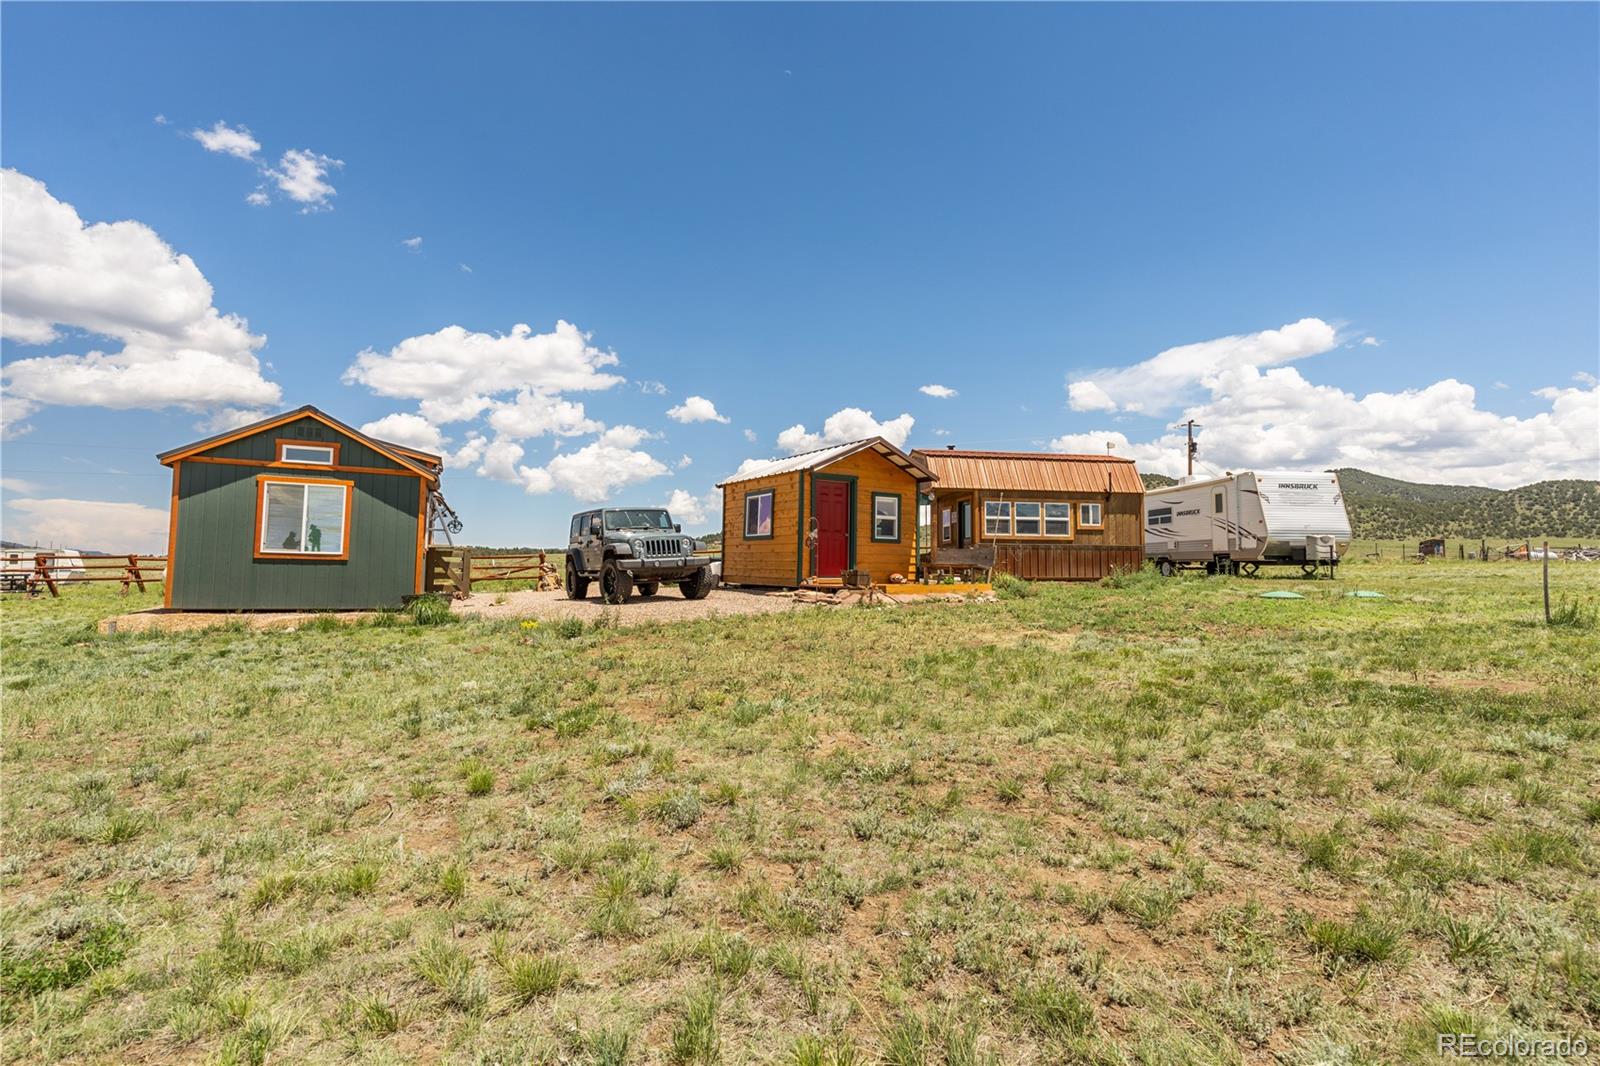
{"type": "Point", "coordinates": [34, 571]}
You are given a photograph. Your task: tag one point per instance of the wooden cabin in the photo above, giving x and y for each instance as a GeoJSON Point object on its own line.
{"type": "Point", "coordinates": [811, 517]}
{"type": "Point", "coordinates": [1037, 515]}
{"type": "Point", "coordinates": [297, 512]}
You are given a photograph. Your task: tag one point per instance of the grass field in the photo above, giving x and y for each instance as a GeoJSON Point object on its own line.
{"type": "Point", "coordinates": [1166, 822]}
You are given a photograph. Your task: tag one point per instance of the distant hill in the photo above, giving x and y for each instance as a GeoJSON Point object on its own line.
{"type": "Point", "coordinates": [1386, 508]}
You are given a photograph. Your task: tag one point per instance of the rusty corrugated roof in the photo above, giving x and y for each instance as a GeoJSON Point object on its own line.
{"type": "Point", "coordinates": [1030, 471]}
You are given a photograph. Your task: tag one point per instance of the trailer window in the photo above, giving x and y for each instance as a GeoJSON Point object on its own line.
{"type": "Point", "coordinates": [1058, 519]}
{"type": "Point", "coordinates": [1216, 503]}
{"type": "Point", "coordinates": [758, 515]}
{"type": "Point", "coordinates": [1160, 516]}
{"type": "Point", "coordinates": [302, 517]}
{"type": "Point", "coordinates": [997, 518]}
{"type": "Point", "coordinates": [1089, 516]}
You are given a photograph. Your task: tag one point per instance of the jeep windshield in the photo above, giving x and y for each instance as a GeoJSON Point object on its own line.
{"type": "Point", "coordinates": [646, 518]}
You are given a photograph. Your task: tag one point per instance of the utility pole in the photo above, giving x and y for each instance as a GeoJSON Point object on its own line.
{"type": "Point", "coordinates": [1193, 447]}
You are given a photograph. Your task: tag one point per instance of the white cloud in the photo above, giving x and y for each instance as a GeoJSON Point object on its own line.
{"type": "Point", "coordinates": [941, 433]}
{"type": "Point", "coordinates": [750, 435]}
{"type": "Point", "coordinates": [117, 280]}
{"type": "Point", "coordinates": [464, 268]}
{"type": "Point", "coordinates": [94, 524]}
{"type": "Point", "coordinates": [849, 424]}
{"type": "Point", "coordinates": [454, 364]}
{"type": "Point", "coordinates": [690, 510]}
{"type": "Point", "coordinates": [696, 409]}
{"type": "Point", "coordinates": [1168, 378]}
{"type": "Point", "coordinates": [227, 418]}
{"type": "Point", "coordinates": [258, 198]}
{"type": "Point", "coordinates": [684, 462]}
{"type": "Point", "coordinates": [940, 392]}
{"type": "Point", "coordinates": [597, 470]}
{"type": "Point", "coordinates": [161, 120]}
{"type": "Point", "coordinates": [1583, 377]}
{"type": "Point", "coordinates": [1275, 418]}
{"type": "Point", "coordinates": [302, 176]}
{"type": "Point", "coordinates": [229, 140]}
{"type": "Point", "coordinates": [18, 484]}
{"type": "Point", "coordinates": [1371, 342]}
{"type": "Point", "coordinates": [533, 414]}
{"type": "Point", "coordinates": [413, 431]}
{"type": "Point", "coordinates": [414, 243]}
{"type": "Point", "coordinates": [652, 388]}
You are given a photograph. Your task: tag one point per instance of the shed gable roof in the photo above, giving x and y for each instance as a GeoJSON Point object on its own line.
{"type": "Point", "coordinates": [418, 462]}
{"type": "Point", "coordinates": [820, 457]}
{"type": "Point", "coordinates": [1031, 471]}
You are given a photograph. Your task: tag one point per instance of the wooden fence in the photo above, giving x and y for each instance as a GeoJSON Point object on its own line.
{"type": "Point", "coordinates": [49, 570]}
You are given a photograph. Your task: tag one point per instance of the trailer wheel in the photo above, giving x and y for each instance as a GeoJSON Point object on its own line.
{"type": "Point", "coordinates": [1165, 568]}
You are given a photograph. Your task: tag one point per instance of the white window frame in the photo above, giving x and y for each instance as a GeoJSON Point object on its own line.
{"type": "Point", "coordinates": [1099, 515]}
{"type": "Point", "coordinates": [305, 487]}
{"type": "Point", "coordinates": [1058, 518]}
{"type": "Point", "coordinates": [286, 446]}
{"type": "Point", "coordinates": [885, 497]}
{"type": "Point", "coordinates": [947, 525]}
{"type": "Point", "coordinates": [1036, 518]}
{"type": "Point", "coordinates": [992, 522]}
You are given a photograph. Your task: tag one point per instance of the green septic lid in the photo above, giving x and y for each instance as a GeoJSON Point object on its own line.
{"type": "Point", "coordinates": [1280, 595]}
{"type": "Point", "coordinates": [1363, 594]}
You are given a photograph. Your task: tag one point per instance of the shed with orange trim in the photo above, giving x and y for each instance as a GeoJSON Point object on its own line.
{"type": "Point", "coordinates": [297, 512]}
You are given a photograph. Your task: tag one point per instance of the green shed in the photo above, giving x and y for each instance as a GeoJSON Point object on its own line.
{"type": "Point", "coordinates": [297, 512]}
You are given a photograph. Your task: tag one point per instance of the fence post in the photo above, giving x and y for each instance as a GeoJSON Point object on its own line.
{"type": "Point", "coordinates": [1547, 582]}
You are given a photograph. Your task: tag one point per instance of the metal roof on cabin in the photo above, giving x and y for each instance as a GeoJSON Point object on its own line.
{"type": "Point", "coordinates": [1031, 471]}
{"type": "Point", "coordinates": [831, 454]}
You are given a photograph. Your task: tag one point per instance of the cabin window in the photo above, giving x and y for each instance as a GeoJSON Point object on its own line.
{"type": "Point", "coordinates": [303, 454]}
{"type": "Point", "coordinates": [947, 526]}
{"type": "Point", "coordinates": [1216, 503]}
{"type": "Point", "coordinates": [303, 517]}
{"type": "Point", "coordinates": [1159, 516]}
{"type": "Point", "coordinates": [997, 518]}
{"type": "Point", "coordinates": [1058, 519]}
{"type": "Point", "coordinates": [1027, 516]}
{"type": "Point", "coordinates": [758, 515]}
{"type": "Point", "coordinates": [1089, 515]}
{"type": "Point", "coordinates": [885, 516]}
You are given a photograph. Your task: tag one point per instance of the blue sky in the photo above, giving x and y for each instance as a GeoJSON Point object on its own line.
{"type": "Point", "coordinates": [1335, 235]}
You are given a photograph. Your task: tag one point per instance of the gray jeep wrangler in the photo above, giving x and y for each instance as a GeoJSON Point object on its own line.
{"type": "Point", "coordinates": [626, 546]}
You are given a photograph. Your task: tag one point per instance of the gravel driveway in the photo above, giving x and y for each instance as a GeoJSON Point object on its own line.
{"type": "Point", "coordinates": [666, 606]}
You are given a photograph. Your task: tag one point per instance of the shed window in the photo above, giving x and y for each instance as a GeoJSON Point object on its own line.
{"type": "Point", "coordinates": [307, 454]}
{"type": "Point", "coordinates": [1027, 518]}
{"type": "Point", "coordinates": [758, 515]}
{"type": "Point", "coordinates": [885, 516]}
{"type": "Point", "coordinates": [1058, 519]}
{"type": "Point", "coordinates": [997, 518]}
{"type": "Point", "coordinates": [1089, 515]}
{"type": "Point", "coordinates": [947, 526]}
{"type": "Point", "coordinates": [303, 518]}
{"type": "Point", "coordinates": [1159, 516]}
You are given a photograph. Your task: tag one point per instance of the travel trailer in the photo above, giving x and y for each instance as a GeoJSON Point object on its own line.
{"type": "Point", "coordinates": [1248, 520]}
{"type": "Point", "coordinates": [18, 564]}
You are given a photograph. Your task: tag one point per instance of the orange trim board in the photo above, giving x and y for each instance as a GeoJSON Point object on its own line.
{"type": "Point", "coordinates": [172, 536]}
{"type": "Point", "coordinates": [264, 465]}
{"type": "Point", "coordinates": [422, 531]}
{"type": "Point", "coordinates": [263, 480]}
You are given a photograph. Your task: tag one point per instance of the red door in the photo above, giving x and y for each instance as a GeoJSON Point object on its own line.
{"type": "Point", "coordinates": [833, 527]}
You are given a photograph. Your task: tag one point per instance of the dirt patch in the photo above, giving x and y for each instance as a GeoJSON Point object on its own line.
{"type": "Point", "coordinates": [161, 620]}
{"type": "Point", "coordinates": [666, 606]}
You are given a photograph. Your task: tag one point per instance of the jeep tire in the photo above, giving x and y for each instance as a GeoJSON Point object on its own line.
{"type": "Point", "coordinates": [577, 584]}
{"type": "Point", "coordinates": [649, 588]}
{"type": "Point", "coordinates": [615, 583]}
{"type": "Point", "coordinates": [699, 586]}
